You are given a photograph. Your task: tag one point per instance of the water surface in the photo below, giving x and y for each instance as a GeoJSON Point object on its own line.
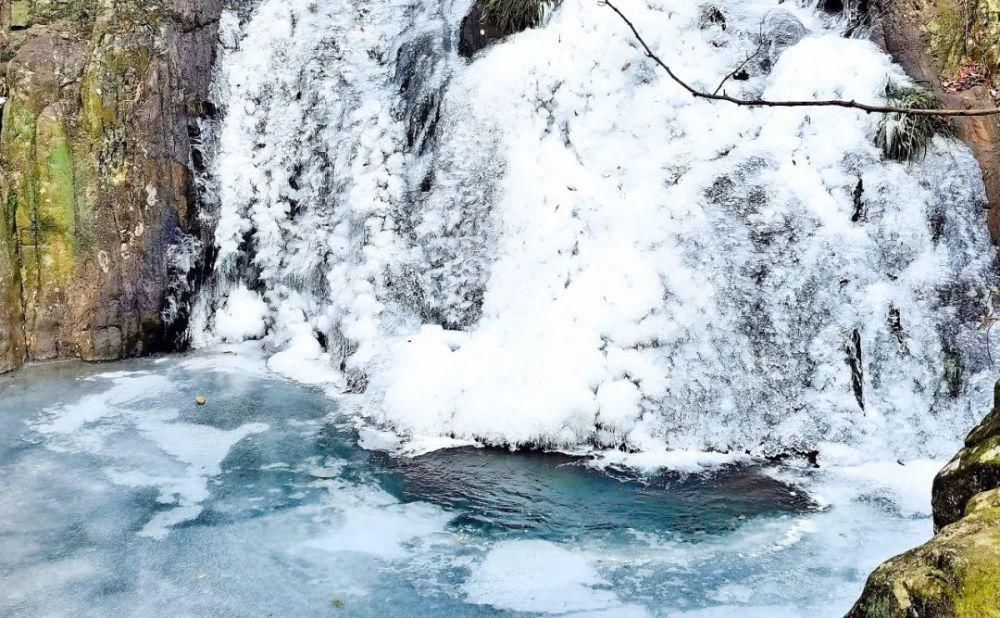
{"type": "Point", "coordinates": [122, 496]}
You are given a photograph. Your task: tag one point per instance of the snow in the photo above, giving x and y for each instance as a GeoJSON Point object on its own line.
{"type": "Point", "coordinates": [541, 577]}
{"type": "Point", "coordinates": [242, 317]}
{"type": "Point", "coordinates": [576, 252]}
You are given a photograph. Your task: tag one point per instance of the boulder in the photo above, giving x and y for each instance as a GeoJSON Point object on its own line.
{"type": "Point", "coordinates": [956, 573]}
{"type": "Point", "coordinates": [975, 469]}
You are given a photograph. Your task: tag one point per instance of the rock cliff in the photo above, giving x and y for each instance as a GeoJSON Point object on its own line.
{"type": "Point", "coordinates": [100, 100]}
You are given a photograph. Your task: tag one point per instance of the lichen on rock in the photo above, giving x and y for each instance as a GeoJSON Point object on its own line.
{"type": "Point", "coordinates": [96, 154]}
{"type": "Point", "coordinates": [957, 573]}
{"type": "Point", "coordinates": [975, 469]}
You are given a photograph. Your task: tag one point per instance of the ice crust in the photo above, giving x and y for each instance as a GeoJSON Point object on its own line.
{"type": "Point", "coordinates": [554, 245]}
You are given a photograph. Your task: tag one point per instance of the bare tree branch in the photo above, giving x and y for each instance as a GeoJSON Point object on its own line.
{"type": "Point", "coordinates": [870, 109]}
{"type": "Point", "coordinates": [742, 66]}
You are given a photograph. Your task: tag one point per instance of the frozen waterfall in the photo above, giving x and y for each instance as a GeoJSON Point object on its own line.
{"type": "Point", "coordinates": [553, 245]}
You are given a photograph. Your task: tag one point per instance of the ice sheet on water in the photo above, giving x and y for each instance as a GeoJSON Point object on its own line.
{"type": "Point", "coordinates": [373, 522]}
{"type": "Point", "coordinates": [537, 576]}
{"type": "Point", "coordinates": [113, 424]}
{"type": "Point", "coordinates": [294, 516]}
{"type": "Point", "coordinates": [555, 245]}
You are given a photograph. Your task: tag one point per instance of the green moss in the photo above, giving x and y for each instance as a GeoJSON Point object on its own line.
{"type": "Point", "coordinates": [905, 137]}
{"type": "Point", "coordinates": [978, 594]}
{"type": "Point", "coordinates": [18, 125]}
{"type": "Point", "coordinates": [878, 607]}
{"type": "Point", "coordinates": [17, 146]}
{"type": "Point", "coordinates": [967, 31]}
{"type": "Point", "coordinates": [20, 13]}
{"type": "Point", "coordinates": [111, 85]}
{"type": "Point", "coordinates": [38, 160]}
{"type": "Point", "coordinates": [986, 452]}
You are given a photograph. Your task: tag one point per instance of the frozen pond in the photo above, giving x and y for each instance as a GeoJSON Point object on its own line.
{"type": "Point", "coordinates": [120, 496]}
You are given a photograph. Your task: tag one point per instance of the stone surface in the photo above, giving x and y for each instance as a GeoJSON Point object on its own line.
{"type": "Point", "coordinates": [975, 469]}
{"type": "Point", "coordinates": [907, 29]}
{"type": "Point", "coordinates": [95, 159]}
{"type": "Point", "coordinates": [957, 573]}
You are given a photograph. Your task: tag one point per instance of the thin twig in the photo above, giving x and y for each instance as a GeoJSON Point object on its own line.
{"type": "Point", "coordinates": [870, 109]}
{"type": "Point", "coordinates": [739, 68]}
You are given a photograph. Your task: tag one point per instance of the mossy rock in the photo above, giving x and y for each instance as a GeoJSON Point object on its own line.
{"type": "Point", "coordinates": [94, 154]}
{"type": "Point", "coordinates": [975, 469]}
{"type": "Point", "coordinates": [967, 32]}
{"type": "Point", "coordinates": [956, 574]}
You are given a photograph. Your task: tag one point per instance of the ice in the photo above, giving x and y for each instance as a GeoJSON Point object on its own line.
{"type": "Point", "coordinates": [98, 424]}
{"type": "Point", "coordinates": [553, 245]}
{"type": "Point", "coordinates": [126, 387]}
{"type": "Point", "coordinates": [375, 523]}
{"type": "Point", "coordinates": [536, 576]}
{"type": "Point", "coordinates": [263, 501]}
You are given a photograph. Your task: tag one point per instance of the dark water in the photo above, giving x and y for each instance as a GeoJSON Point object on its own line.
{"type": "Point", "coordinates": [557, 496]}
{"type": "Point", "coordinates": [121, 496]}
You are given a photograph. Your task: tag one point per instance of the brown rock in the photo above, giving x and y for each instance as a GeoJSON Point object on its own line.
{"type": "Point", "coordinates": [904, 28]}
{"type": "Point", "coordinates": [95, 156]}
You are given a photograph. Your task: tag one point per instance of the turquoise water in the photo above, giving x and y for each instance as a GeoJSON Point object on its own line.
{"type": "Point", "coordinates": [121, 496]}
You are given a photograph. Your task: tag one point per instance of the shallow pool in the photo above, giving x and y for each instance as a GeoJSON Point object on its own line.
{"type": "Point", "coordinates": [119, 495]}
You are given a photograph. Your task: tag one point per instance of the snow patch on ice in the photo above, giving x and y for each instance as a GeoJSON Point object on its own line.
{"type": "Point", "coordinates": [129, 410]}
{"type": "Point", "coordinates": [538, 576]}
{"type": "Point", "coordinates": [371, 521]}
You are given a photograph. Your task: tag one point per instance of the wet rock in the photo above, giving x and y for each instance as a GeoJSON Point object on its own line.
{"type": "Point", "coordinates": [975, 469]}
{"type": "Point", "coordinates": [95, 153]}
{"type": "Point", "coordinates": [957, 573]}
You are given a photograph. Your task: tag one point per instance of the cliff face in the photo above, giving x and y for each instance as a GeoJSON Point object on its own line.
{"type": "Point", "coordinates": [99, 101]}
